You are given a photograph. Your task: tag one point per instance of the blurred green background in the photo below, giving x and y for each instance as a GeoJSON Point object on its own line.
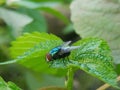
{"type": "Point", "coordinates": [21, 16]}
{"type": "Point", "coordinates": [51, 16]}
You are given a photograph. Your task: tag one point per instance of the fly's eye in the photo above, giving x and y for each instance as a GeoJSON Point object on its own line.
{"type": "Point", "coordinates": [48, 57]}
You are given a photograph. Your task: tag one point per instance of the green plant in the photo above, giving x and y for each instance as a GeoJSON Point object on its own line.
{"type": "Point", "coordinates": [8, 86]}
{"type": "Point", "coordinates": [97, 20]}
{"type": "Point", "coordinates": [93, 57]}
{"type": "Point", "coordinates": [31, 16]}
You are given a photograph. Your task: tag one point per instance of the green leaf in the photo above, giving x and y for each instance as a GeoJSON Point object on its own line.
{"type": "Point", "coordinates": [17, 24]}
{"type": "Point", "coordinates": [2, 2]}
{"type": "Point", "coordinates": [30, 51]}
{"type": "Point", "coordinates": [38, 24]}
{"type": "Point", "coordinates": [60, 1]}
{"type": "Point", "coordinates": [98, 18]}
{"type": "Point", "coordinates": [44, 6]}
{"type": "Point", "coordinates": [33, 4]}
{"type": "Point", "coordinates": [47, 0]}
{"type": "Point", "coordinates": [32, 40]}
{"type": "Point", "coordinates": [55, 13]}
{"type": "Point", "coordinates": [94, 57]}
{"type": "Point", "coordinates": [8, 86]}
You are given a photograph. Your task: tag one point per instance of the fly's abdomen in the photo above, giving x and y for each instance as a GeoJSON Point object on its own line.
{"type": "Point", "coordinates": [59, 56]}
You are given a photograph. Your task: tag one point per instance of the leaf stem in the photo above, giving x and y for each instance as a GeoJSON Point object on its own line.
{"type": "Point", "coordinates": [8, 62]}
{"type": "Point", "coordinates": [70, 75]}
{"type": "Point", "coordinates": [105, 86]}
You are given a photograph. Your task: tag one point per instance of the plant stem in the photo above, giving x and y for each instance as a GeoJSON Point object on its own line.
{"type": "Point", "coordinates": [8, 62]}
{"type": "Point", "coordinates": [70, 75]}
{"type": "Point", "coordinates": [105, 86]}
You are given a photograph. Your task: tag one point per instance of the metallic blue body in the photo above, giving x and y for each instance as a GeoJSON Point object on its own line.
{"type": "Point", "coordinates": [55, 50]}
{"type": "Point", "coordinates": [58, 53]}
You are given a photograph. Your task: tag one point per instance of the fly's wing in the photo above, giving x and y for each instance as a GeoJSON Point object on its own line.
{"type": "Point", "coordinates": [66, 44]}
{"type": "Point", "coordinates": [68, 49]}
{"type": "Point", "coordinates": [73, 47]}
{"type": "Point", "coordinates": [65, 48]}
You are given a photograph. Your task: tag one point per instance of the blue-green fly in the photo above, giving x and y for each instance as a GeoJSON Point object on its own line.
{"type": "Point", "coordinates": [61, 51]}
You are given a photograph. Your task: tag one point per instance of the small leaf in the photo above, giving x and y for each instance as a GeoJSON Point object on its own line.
{"type": "Point", "coordinates": [94, 57]}
{"type": "Point", "coordinates": [33, 4]}
{"type": "Point", "coordinates": [30, 51]}
{"type": "Point", "coordinates": [38, 24]}
{"type": "Point", "coordinates": [8, 86]}
{"type": "Point", "coordinates": [55, 13]}
{"type": "Point", "coordinates": [16, 24]}
{"type": "Point", "coordinates": [48, 7]}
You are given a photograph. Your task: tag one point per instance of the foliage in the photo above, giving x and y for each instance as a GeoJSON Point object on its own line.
{"type": "Point", "coordinates": [39, 23]}
{"type": "Point", "coordinates": [8, 17]}
{"type": "Point", "coordinates": [30, 14]}
{"type": "Point", "coordinates": [98, 18]}
{"type": "Point", "coordinates": [29, 50]}
{"type": "Point", "coordinates": [20, 16]}
{"type": "Point", "coordinates": [93, 56]}
{"type": "Point", "coordinates": [33, 48]}
{"type": "Point", "coordinates": [8, 86]}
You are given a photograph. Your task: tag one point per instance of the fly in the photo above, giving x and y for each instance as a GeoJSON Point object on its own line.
{"type": "Point", "coordinates": [59, 52]}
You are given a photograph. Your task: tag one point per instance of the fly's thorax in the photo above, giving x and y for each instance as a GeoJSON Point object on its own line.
{"type": "Point", "coordinates": [55, 50]}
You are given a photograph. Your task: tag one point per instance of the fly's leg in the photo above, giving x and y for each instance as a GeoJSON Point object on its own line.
{"type": "Point", "coordinates": [64, 61]}
{"type": "Point", "coordinates": [51, 63]}
{"type": "Point", "coordinates": [68, 60]}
